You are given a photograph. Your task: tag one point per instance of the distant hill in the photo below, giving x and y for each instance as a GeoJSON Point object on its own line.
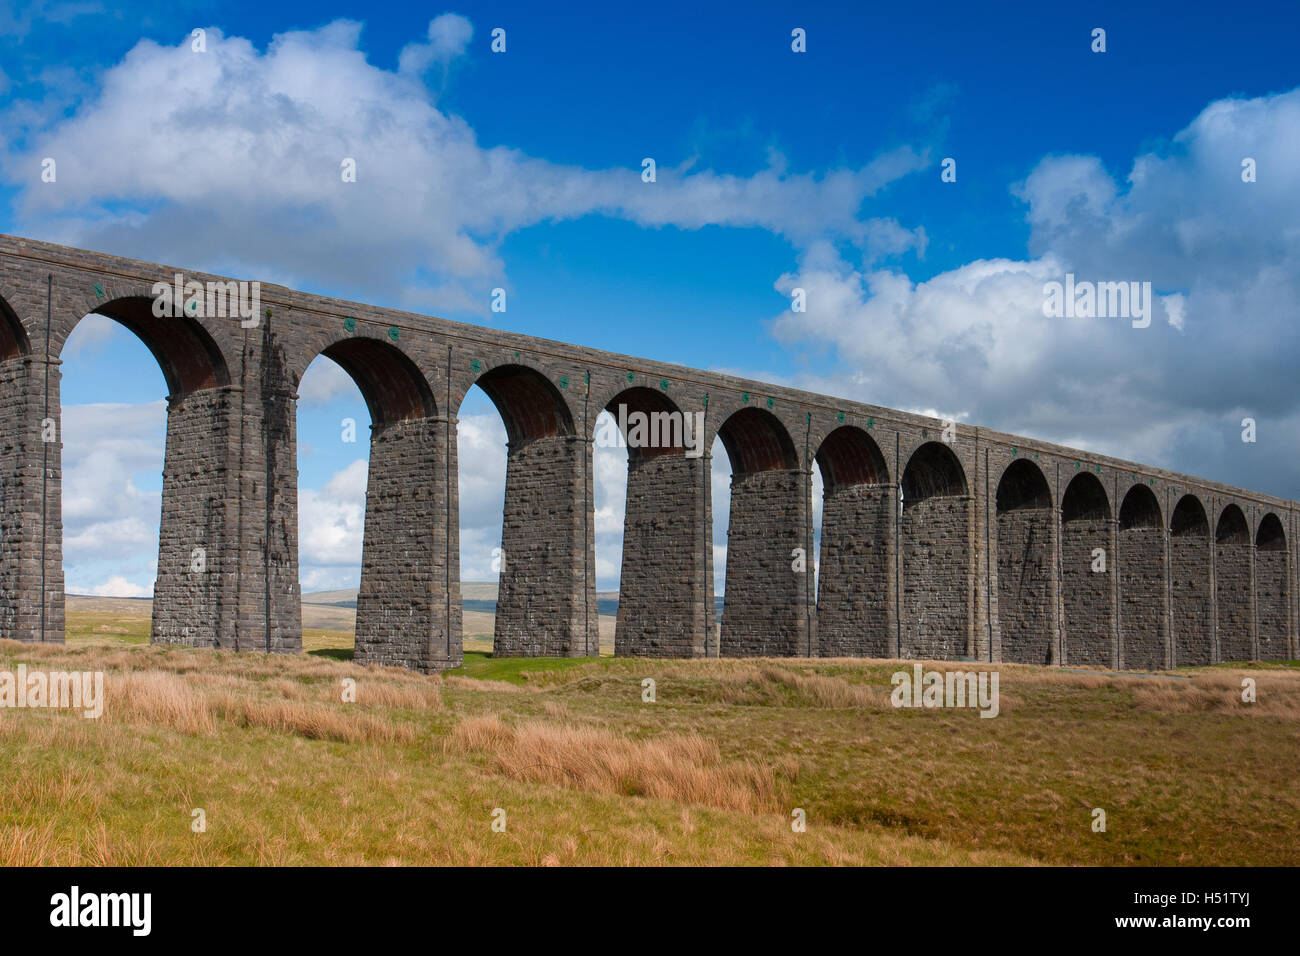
{"type": "Point", "coordinates": [336, 610]}
{"type": "Point", "coordinates": [474, 596]}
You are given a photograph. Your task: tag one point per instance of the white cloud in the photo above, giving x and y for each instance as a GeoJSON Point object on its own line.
{"type": "Point", "coordinates": [330, 524]}
{"type": "Point", "coordinates": [1223, 258]}
{"type": "Point", "coordinates": [449, 36]}
{"type": "Point", "coordinates": [118, 586]}
{"type": "Point", "coordinates": [323, 382]}
{"type": "Point", "coordinates": [257, 139]}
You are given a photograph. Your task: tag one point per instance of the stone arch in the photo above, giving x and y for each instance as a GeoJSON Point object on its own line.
{"type": "Point", "coordinates": [665, 591]}
{"type": "Point", "coordinates": [1141, 580]}
{"type": "Point", "coordinates": [1271, 590]}
{"type": "Point", "coordinates": [650, 422]}
{"type": "Point", "coordinates": [1026, 552]}
{"type": "Point", "coordinates": [756, 441]}
{"type": "Point", "coordinates": [766, 608]}
{"type": "Point", "coordinates": [196, 496]}
{"type": "Point", "coordinates": [190, 358]}
{"type": "Point", "coordinates": [933, 471]}
{"type": "Point", "coordinates": [394, 388]}
{"type": "Point", "coordinates": [14, 342]}
{"type": "Point", "coordinates": [936, 555]}
{"type": "Point", "coordinates": [546, 595]}
{"type": "Point", "coordinates": [1191, 618]}
{"type": "Point", "coordinates": [1088, 600]}
{"type": "Point", "coordinates": [855, 616]}
{"type": "Point", "coordinates": [530, 405]}
{"type": "Point", "coordinates": [1232, 557]}
{"type": "Point", "coordinates": [405, 615]}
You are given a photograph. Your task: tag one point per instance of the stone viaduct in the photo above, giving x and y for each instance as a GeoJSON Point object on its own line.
{"type": "Point", "coordinates": [967, 544]}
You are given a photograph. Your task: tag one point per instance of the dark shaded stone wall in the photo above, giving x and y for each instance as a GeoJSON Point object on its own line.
{"type": "Point", "coordinates": [546, 606]}
{"type": "Point", "coordinates": [404, 601]}
{"type": "Point", "coordinates": [766, 609]}
{"type": "Point", "coordinates": [1142, 598]}
{"type": "Point", "coordinates": [1026, 556]}
{"type": "Point", "coordinates": [1232, 588]}
{"type": "Point", "coordinates": [663, 589]}
{"type": "Point", "coordinates": [195, 582]}
{"type": "Point", "coordinates": [1191, 615]}
{"type": "Point", "coordinates": [1271, 595]}
{"type": "Point", "coordinates": [855, 582]}
{"type": "Point", "coordinates": [1087, 595]}
{"type": "Point", "coordinates": [936, 578]}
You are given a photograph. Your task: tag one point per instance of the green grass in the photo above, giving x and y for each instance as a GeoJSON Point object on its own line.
{"type": "Point", "coordinates": [514, 670]}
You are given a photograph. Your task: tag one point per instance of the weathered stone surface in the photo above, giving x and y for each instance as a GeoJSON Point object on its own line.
{"type": "Point", "coordinates": [1191, 612]}
{"type": "Point", "coordinates": [1087, 595]}
{"type": "Point", "coordinates": [855, 587]}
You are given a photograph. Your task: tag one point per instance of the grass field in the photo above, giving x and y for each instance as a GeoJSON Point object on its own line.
{"type": "Point", "coordinates": [584, 771]}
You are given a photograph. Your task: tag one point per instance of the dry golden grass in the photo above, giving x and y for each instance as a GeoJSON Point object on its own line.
{"type": "Point", "coordinates": [681, 767]}
{"type": "Point", "coordinates": [590, 773]}
{"type": "Point", "coordinates": [199, 692]}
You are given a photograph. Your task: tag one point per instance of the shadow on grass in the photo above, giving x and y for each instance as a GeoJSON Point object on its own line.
{"type": "Point", "coordinates": [333, 653]}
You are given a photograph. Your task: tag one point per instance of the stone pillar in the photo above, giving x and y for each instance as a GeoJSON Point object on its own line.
{"type": "Point", "coordinates": [766, 610]}
{"type": "Point", "coordinates": [1114, 554]}
{"type": "Point", "coordinates": [197, 575]}
{"type": "Point", "coordinates": [405, 616]}
{"type": "Point", "coordinates": [712, 626]}
{"type": "Point", "coordinates": [31, 531]}
{"type": "Point", "coordinates": [268, 610]}
{"type": "Point", "coordinates": [1026, 555]}
{"type": "Point", "coordinates": [855, 585]}
{"type": "Point", "coordinates": [1232, 581]}
{"type": "Point", "coordinates": [1142, 598]}
{"type": "Point", "coordinates": [937, 573]}
{"type": "Point", "coordinates": [1088, 596]}
{"type": "Point", "coordinates": [546, 605]}
{"type": "Point", "coordinates": [1190, 611]}
{"type": "Point", "coordinates": [1271, 576]}
{"type": "Point", "coordinates": [665, 592]}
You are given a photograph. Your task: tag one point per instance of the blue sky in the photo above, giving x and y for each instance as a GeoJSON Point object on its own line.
{"type": "Point", "coordinates": [775, 169]}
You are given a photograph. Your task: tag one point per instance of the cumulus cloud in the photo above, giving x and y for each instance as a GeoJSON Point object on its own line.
{"type": "Point", "coordinates": [330, 524]}
{"type": "Point", "coordinates": [323, 382]}
{"type": "Point", "coordinates": [118, 586]}
{"type": "Point", "coordinates": [111, 453]}
{"type": "Point", "coordinates": [256, 142]}
{"type": "Point", "coordinates": [1223, 258]}
{"type": "Point", "coordinates": [449, 36]}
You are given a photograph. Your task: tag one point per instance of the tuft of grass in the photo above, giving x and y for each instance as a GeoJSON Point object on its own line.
{"type": "Point", "coordinates": [682, 767]}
